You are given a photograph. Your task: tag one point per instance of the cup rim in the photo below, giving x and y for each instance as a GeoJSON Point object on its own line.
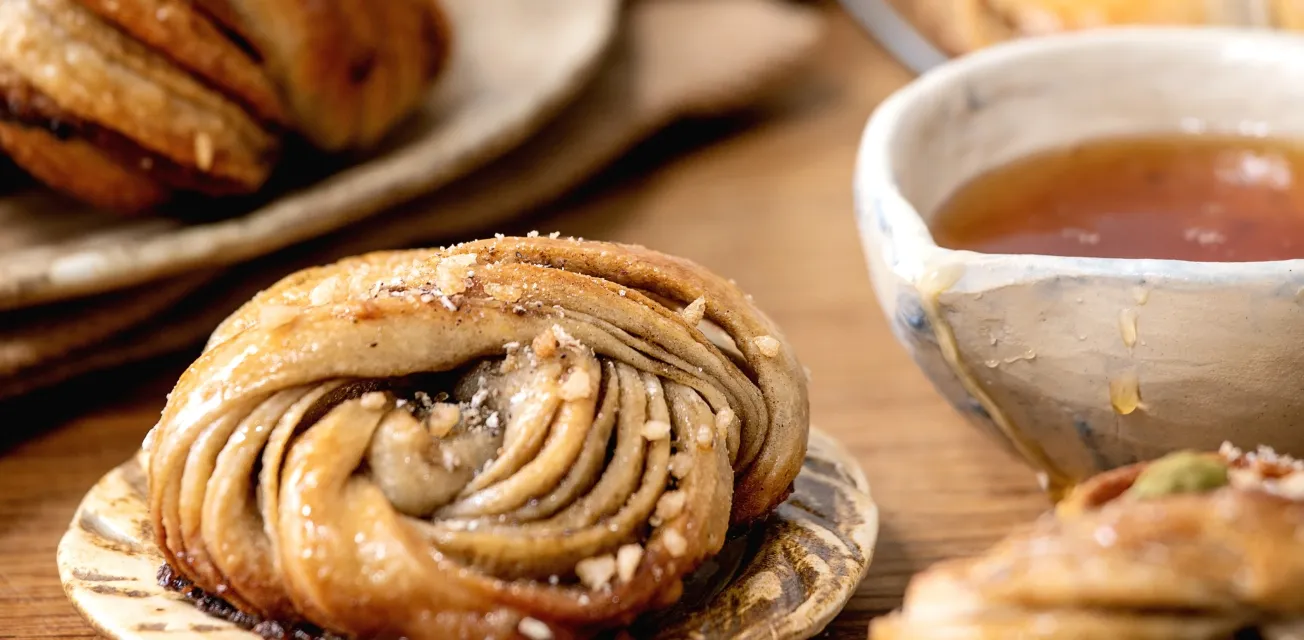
{"type": "Point", "coordinates": [880, 203]}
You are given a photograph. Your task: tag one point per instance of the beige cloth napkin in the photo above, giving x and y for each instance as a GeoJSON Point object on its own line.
{"type": "Point", "coordinates": [674, 58]}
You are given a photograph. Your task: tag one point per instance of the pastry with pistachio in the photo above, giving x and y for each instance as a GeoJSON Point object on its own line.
{"type": "Point", "coordinates": [520, 437]}
{"type": "Point", "coordinates": [1192, 546]}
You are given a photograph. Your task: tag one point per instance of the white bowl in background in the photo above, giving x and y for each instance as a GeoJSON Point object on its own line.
{"type": "Point", "coordinates": [1040, 349]}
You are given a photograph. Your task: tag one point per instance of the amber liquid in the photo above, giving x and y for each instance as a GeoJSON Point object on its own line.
{"type": "Point", "coordinates": [1207, 198]}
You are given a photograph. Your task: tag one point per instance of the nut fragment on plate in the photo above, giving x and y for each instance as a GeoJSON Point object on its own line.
{"type": "Point", "coordinates": [121, 103]}
{"type": "Point", "coordinates": [1191, 546]}
{"type": "Point", "coordinates": [374, 469]}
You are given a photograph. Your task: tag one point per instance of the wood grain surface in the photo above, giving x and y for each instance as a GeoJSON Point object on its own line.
{"type": "Point", "coordinates": [765, 199]}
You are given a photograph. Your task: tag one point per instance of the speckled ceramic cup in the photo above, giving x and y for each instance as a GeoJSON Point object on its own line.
{"type": "Point", "coordinates": [1085, 364]}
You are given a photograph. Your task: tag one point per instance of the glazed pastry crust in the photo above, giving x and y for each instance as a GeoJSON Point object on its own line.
{"type": "Point", "coordinates": [496, 436]}
{"type": "Point", "coordinates": [348, 68]}
{"type": "Point", "coordinates": [83, 171]}
{"type": "Point", "coordinates": [98, 75]}
{"type": "Point", "coordinates": [154, 96]}
{"type": "Point", "coordinates": [1106, 565]}
{"type": "Point", "coordinates": [35, 134]}
{"type": "Point", "coordinates": [186, 36]}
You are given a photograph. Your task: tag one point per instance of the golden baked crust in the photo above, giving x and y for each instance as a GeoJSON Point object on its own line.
{"type": "Point", "coordinates": [154, 96]}
{"type": "Point", "coordinates": [347, 68]}
{"type": "Point", "coordinates": [505, 437]}
{"type": "Point", "coordinates": [80, 169]}
{"type": "Point", "coordinates": [1191, 564]}
{"type": "Point", "coordinates": [189, 38]}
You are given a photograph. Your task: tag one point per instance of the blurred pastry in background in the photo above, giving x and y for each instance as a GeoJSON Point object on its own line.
{"type": "Point", "coordinates": [1192, 546]}
{"type": "Point", "coordinates": [121, 103]}
{"type": "Point", "coordinates": [961, 26]}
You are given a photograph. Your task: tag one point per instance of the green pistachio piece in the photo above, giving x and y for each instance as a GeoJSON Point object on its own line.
{"type": "Point", "coordinates": [1180, 472]}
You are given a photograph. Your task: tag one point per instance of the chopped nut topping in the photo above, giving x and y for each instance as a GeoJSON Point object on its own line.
{"type": "Point", "coordinates": [670, 504]}
{"type": "Point", "coordinates": [424, 400]}
{"type": "Point", "coordinates": [595, 573]}
{"type": "Point", "coordinates": [480, 395]}
{"type": "Point", "coordinates": [724, 421]}
{"type": "Point", "coordinates": [680, 464]}
{"type": "Point", "coordinates": [545, 344]}
{"type": "Point", "coordinates": [450, 460]}
{"type": "Point", "coordinates": [655, 430]}
{"type": "Point", "coordinates": [1290, 487]}
{"type": "Point", "coordinates": [565, 339]}
{"type": "Point", "coordinates": [695, 311]}
{"type": "Point", "coordinates": [325, 291]}
{"type": "Point", "coordinates": [452, 272]}
{"type": "Point", "coordinates": [1264, 470]}
{"type": "Point", "coordinates": [373, 401]}
{"type": "Point", "coordinates": [675, 542]}
{"type": "Point", "coordinates": [508, 293]}
{"type": "Point", "coordinates": [704, 437]}
{"type": "Point", "coordinates": [275, 315]}
{"type": "Point", "coordinates": [534, 629]}
{"type": "Point", "coordinates": [442, 418]}
{"type": "Point", "coordinates": [576, 386]}
{"type": "Point", "coordinates": [1259, 457]}
{"type": "Point", "coordinates": [768, 345]}
{"type": "Point", "coordinates": [627, 559]}
{"type": "Point", "coordinates": [203, 151]}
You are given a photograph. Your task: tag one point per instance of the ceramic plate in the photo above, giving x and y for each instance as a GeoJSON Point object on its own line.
{"type": "Point", "coordinates": [515, 64]}
{"type": "Point", "coordinates": [784, 580]}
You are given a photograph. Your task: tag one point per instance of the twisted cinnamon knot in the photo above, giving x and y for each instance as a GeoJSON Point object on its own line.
{"type": "Point", "coordinates": [121, 102]}
{"type": "Point", "coordinates": [520, 436]}
{"type": "Point", "coordinates": [1190, 547]}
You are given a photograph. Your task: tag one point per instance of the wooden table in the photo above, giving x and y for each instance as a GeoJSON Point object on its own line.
{"type": "Point", "coordinates": [765, 199]}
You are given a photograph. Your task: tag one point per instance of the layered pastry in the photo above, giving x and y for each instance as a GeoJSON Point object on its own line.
{"type": "Point", "coordinates": [121, 103]}
{"type": "Point", "coordinates": [1192, 546]}
{"type": "Point", "coordinates": [513, 438]}
{"type": "Point", "coordinates": [961, 26]}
